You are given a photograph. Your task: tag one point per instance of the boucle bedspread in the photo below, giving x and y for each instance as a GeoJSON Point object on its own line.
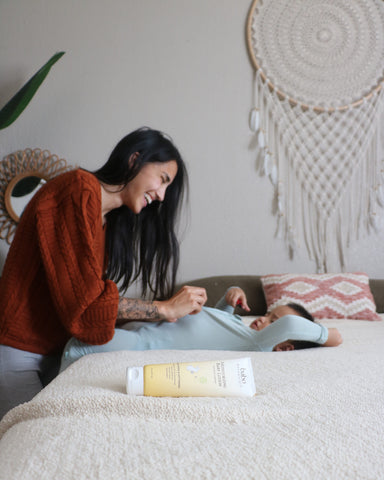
{"type": "Point", "coordinates": [318, 414]}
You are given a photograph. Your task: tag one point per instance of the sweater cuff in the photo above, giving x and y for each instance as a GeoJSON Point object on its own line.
{"type": "Point", "coordinates": [96, 325]}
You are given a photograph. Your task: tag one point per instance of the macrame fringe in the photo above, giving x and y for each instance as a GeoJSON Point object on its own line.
{"type": "Point", "coordinates": [297, 147]}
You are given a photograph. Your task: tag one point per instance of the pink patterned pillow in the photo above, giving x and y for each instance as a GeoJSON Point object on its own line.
{"type": "Point", "coordinates": [328, 295]}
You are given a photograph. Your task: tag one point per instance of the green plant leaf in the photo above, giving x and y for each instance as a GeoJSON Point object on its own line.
{"type": "Point", "coordinates": [15, 106]}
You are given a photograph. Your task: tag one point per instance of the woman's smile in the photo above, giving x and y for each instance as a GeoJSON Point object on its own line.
{"type": "Point", "coordinates": [148, 198]}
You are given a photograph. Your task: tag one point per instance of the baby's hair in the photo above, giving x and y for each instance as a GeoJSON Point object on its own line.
{"type": "Point", "coordinates": [303, 312]}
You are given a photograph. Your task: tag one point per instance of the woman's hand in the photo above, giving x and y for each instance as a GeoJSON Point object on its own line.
{"type": "Point", "coordinates": [236, 296]}
{"type": "Point", "coordinates": [187, 301]}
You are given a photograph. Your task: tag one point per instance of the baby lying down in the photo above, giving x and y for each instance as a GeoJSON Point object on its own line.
{"type": "Point", "coordinates": [284, 328]}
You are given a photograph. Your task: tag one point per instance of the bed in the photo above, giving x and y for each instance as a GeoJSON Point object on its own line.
{"type": "Point", "coordinates": [318, 414]}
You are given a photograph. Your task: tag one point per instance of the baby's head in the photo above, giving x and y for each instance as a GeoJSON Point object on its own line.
{"type": "Point", "coordinates": [281, 311]}
{"type": "Point", "coordinates": [278, 312]}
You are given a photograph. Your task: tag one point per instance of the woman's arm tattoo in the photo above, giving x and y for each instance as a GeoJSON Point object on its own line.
{"type": "Point", "coordinates": [135, 309]}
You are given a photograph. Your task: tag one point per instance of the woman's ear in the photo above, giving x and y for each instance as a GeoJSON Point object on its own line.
{"type": "Point", "coordinates": [132, 159]}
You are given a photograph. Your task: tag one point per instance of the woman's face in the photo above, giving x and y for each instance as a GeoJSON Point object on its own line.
{"type": "Point", "coordinates": [150, 184]}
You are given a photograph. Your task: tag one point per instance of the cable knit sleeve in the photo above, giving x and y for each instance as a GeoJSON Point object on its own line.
{"type": "Point", "coordinates": [68, 234]}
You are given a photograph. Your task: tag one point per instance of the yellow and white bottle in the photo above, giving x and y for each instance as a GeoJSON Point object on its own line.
{"type": "Point", "coordinates": [215, 378]}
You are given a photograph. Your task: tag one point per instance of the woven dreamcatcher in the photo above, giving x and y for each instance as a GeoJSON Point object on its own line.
{"type": "Point", "coordinates": [318, 116]}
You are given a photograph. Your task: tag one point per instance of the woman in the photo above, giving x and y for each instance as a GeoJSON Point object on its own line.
{"type": "Point", "coordinates": [80, 235]}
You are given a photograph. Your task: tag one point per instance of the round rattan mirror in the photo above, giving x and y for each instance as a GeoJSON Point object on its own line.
{"type": "Point", "coordinates": [22, 173]}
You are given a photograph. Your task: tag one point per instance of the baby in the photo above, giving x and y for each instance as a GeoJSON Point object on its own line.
{"type": "Point", "coordinates": [216, 329]}
{"type": "Point", "coordinates": [235, 296]}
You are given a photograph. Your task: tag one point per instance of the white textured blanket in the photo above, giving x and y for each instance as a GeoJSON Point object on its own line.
{"type": "Point", "coordinates": [318, 414]}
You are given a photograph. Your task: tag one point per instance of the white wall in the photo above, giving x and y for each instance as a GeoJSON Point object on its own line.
{"type": "Point", "coordinates": [177, 65]}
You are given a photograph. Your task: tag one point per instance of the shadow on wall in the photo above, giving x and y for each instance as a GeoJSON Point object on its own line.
{"type": "Point", "coordinates": [4, 247]}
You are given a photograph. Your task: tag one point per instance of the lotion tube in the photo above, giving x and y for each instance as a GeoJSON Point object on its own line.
{"type": "Point", "coordinates": [219, 378]}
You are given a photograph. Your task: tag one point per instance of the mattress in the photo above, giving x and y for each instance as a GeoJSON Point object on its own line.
{"type": "Point", "coordinates": [318, 413]}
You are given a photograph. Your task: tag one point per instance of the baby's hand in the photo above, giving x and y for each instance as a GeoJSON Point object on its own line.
{"type": "Point", "coordinates": [235, 296]}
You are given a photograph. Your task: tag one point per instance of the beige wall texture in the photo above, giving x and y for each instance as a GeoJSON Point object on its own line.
{"type": "Point", "coordinates": [177, 65]}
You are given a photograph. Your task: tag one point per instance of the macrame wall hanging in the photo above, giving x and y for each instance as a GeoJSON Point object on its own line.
{"type": "Point", "coordinates": [318, 117]}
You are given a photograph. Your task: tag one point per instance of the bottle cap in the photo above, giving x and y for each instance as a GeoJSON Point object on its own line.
{"type": "Point", "coordinates": [135, 381]}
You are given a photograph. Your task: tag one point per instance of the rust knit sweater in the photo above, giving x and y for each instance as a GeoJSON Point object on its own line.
{"type": "Point", "coordinates": [52, 285]}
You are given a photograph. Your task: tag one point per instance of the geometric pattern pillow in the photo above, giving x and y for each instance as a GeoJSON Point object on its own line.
{"type": "Point", "coordinates": [328, 295]}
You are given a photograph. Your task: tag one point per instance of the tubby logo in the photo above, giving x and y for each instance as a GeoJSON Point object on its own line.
{"type": "Point", "coordinates": [243, 376]}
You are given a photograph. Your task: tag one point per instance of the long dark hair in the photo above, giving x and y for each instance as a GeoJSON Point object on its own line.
{"type": "Point", "coordinates": [145, 244]}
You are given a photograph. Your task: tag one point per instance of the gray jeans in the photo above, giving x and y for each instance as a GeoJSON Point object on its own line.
{"type": "Point", "coordinates": [22, 375]}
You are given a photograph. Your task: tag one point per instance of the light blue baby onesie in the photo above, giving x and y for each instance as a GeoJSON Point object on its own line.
{"type": "Point", "coordinates": [211, 329]}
